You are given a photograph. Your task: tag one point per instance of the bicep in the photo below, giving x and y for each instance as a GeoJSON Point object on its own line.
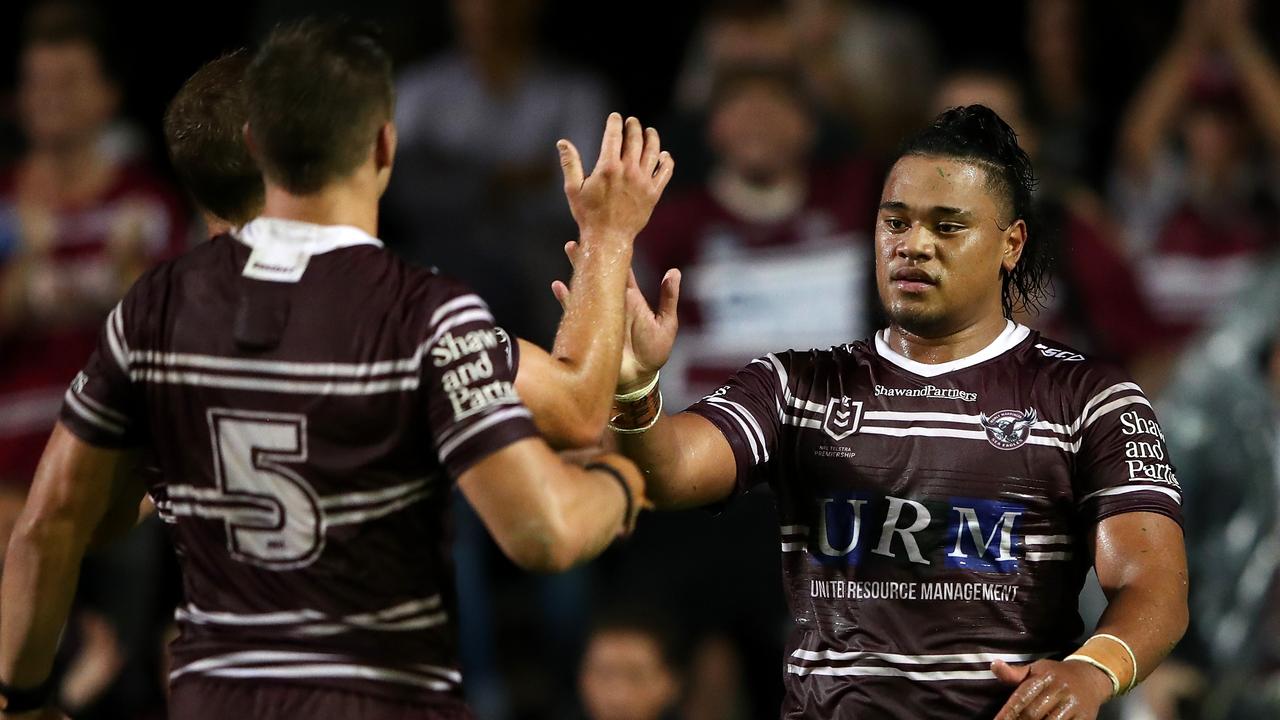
{"type": "Point", "coordinates": [1139, 548]}
{"type": "Point", "coordinates": [704, 470]}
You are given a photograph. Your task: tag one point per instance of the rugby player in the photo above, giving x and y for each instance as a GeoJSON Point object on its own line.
{"type": "Point", "coordinates": [944, 487]}
{"type": "Point", "coordinates": [310, 402]}
{"type": "Point", "coordinates": [566, 390]}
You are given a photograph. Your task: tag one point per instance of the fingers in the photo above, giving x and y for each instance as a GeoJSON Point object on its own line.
{"type": "Point", "coordinates": [1040, 706]}
{"type": "Point", "coordinates": [561, 291]}
{"type": "Point", "coordinates": [611, 143]}
{"type": "Point", "coordinates": [571, 166]}
{"type": "Point", "coordinates": [1010, 674]}
{"type": "Point", "coordinates": [666, 168]}
{"type": "Point", "coordinates": [571, 252]}
{"type": "Point", "coordinates": [652, 149]}
{"type": "Point", "coordinates": [633, 142]}
{"type": "Point", "coordinates": [1021, 698]}
{"type": "Point", "coordinates": [669, 297]}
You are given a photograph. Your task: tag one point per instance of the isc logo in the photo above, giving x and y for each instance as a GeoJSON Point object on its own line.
{"type": "Point", "coordinates": [973, 534]}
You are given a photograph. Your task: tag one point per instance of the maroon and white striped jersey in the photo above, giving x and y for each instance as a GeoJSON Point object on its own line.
{"type": "Point", "coordinates": [935, 517]}
{"type": "Point", "coordinates": [309, 400]}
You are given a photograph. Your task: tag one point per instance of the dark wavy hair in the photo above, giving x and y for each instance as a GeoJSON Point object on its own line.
{"type": "Point", "coordinates": [976, 134]}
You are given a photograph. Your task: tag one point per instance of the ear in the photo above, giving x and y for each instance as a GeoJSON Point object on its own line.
{"type": "Point", "coordinates": [249, 144]}
{"type": "Point", "coordinates": [1015, 239]}
{"type": "Point", "coordinates": [384, 150]}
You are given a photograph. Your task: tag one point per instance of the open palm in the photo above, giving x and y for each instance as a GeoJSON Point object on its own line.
{"type": "Point", "coordinates": [649, 334]}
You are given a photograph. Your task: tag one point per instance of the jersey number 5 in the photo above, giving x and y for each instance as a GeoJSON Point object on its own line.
{"type": "Point", "coordinates": [279, 524]}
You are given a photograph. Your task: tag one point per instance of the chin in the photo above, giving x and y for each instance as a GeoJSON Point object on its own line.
{"type": "Point", "coordinates": [916, 318]}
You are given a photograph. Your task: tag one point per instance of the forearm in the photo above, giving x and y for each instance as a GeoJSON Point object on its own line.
{"type": "Point", "coordinates": [1151, 616]}
{"type": "Point", "coordinates": [1150, 117]}
{"type": "Point", "coordinates": [40, 573]}
{"type": "Point", "coordinates": [588, 344]}
{"type": "Point", "coordinates": [593, 513]}
{"type": "Point", "coordinates": [1260, 80]}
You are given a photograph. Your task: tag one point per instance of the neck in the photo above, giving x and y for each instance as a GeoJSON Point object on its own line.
{"type": "Point", "coordinates": [945, 348]}
{"type": "Point", "coordinates": [777, 198]}
{"type": "Point", "coordinates": [67, 171]}
{"type": "Point", "coordinates": [215, 225]}
{"type": "Point", "coordinates": [343, 203]}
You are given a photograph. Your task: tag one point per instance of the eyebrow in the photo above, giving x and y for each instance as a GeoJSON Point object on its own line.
{"type": "Point", "coordinates": [899, 206]}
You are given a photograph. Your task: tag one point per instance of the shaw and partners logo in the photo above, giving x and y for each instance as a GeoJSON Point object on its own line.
{"type": "Point", "coordinates": [928, 391]}
{"type": "Point", "coordinates": [965, 533]}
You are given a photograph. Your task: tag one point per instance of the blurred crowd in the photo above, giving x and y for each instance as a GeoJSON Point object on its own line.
{"type": "Point", "coordinates": [1157, 146]}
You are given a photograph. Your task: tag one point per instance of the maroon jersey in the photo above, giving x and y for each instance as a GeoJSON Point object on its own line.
{"type": "Point", "coordinates": [309, 399]}
{"type": "Point", "coordinates": [935, 517]}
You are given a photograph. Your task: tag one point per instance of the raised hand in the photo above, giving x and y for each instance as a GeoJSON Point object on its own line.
{"type": "Point", "coordinates": [649, 335]}
{"type": "Point", "coordinates": [630, 175]}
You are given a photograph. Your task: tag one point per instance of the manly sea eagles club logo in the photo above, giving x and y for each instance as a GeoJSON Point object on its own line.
{"type": "Point", "coordinates": [1009, 429]}
{"type": "Point", "coordinates": [843, 418]}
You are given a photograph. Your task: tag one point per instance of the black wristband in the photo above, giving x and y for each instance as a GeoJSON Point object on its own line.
{"type": "Point", "coordinates": [21, 700]}
{"type": "Point", "coordinates": [622, 481]}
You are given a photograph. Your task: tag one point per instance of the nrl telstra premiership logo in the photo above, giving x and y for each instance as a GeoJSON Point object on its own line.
{"type": "Point", "coordinates": [843, 418]}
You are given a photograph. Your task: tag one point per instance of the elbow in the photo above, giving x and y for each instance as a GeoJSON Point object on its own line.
{"type": "Point", "coordinates": [546, 551]}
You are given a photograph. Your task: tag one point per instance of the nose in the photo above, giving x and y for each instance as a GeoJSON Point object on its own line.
{"type": "Point", "coordinates": [915, 244]}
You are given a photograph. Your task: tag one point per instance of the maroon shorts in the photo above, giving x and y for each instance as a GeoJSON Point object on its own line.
{"type": "Point", "coordinates": [202, 699]}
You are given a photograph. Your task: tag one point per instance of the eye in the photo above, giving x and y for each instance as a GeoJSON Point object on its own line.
{"type": "Point", "coordinates": [895, 224]}
{"type": "Point", "coordinates": [947, 228]}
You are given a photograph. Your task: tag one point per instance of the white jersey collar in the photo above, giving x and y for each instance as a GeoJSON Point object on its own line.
{"type": "Point", "coordinates": [308, 237]}
{"type": "Point", "coordinates": [282, 248]}
{"type": "Point", "coordinates": [1008, 339]}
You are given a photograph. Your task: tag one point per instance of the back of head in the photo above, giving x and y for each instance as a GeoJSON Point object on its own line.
{"type": "Point", "coordinates": [204, 131]}
{"type": "Point", "coordinates": [318, 93]}
{"type": "Point", "coordinates": [975, 134]}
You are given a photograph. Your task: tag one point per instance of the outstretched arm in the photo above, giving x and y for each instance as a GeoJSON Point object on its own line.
{"type": "Point", "coordinates": [568, 390]}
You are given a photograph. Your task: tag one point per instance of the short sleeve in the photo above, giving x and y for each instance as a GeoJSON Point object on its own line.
{"type": "Point", "coordinates": [748, 411]}
{"type": "Point", "coordinates": [1123, 464]}
{"type": "Point", "coordinates": [469, 372]}
{"type": "Point", "coordinates": [103, 406]}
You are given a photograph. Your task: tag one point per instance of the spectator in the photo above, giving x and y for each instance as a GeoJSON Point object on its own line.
{"type": "Point", "coordinates": [1072, 144]}
{"type": "Point", "coordinates": [477, 164]}
{"type": "Point", "coordinates": [768, 233]}
{"type": "Point", "coordinates": [79, 221]}
{"type": "Point", "coordinates": [1197, 216]}
{"type": "Point", "coordinates": [868, 63]}
{"type": "Point", "coordinates": [630, 670]}
{"type": "Point", "coordinates": [477, 161]}
{"type": "Point", "coordinates": [1097, 306]}
{"type": "Point", "coordinates": [732, 33]}
{"type": "Point", "coordinates": [77, 225]}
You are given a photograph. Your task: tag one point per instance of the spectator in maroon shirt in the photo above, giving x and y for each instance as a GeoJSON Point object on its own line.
{"type": "Point", "coordinates": [1196, 184]}
{"type": "Point", "coordinates": [76, 227]}
{"type": "Point", "coordinates": [1097, 303]}
{"type": "Point", "coordinates": [771, 231]}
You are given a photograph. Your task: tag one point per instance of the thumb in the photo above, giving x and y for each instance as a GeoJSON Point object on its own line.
{"type": "Point", "coordinates": [571, 166]}
{"type": "Point", "coordinates": [669, 296]}
{"type": "Point", "coordinates": [1010, 674]}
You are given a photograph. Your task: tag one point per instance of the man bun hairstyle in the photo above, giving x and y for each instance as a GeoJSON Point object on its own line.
{"type": "Point", "coordinates": [976, 134]}
{"type": "Point", "coordinates": [318, 92]}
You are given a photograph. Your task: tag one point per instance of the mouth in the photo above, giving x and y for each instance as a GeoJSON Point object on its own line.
{"type": "Point", "coordinates": [912, 280]}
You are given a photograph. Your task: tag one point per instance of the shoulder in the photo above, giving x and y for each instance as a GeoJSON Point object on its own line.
{"type": "Point", "coordinates": [1084, 379]}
